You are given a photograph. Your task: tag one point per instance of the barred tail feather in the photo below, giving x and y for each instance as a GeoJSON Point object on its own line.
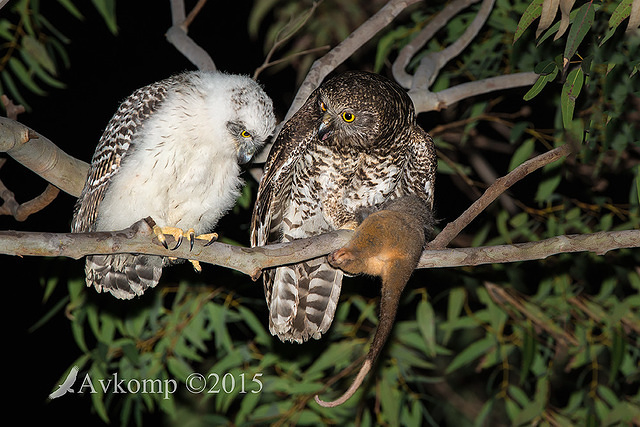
{"type": "Point", "coordinates": [124, 276]}
{"type": "Point", "coordinates": [303, 300]}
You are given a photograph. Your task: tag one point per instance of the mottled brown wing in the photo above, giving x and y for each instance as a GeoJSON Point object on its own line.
{"type": "Point", "coordinates": [302, 298]}
{"type": "Point", "coordinates": [274, 192]}
{"type": "Point", "coordinates": [419, 173]}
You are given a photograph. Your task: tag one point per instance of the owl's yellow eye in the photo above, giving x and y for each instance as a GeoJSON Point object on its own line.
{"type": "Point", "coordinates": [348, 117]}
{"type": "Point", "coordinates": [245, 134]}
{"type": "Point", "coordinates": [323, 107]}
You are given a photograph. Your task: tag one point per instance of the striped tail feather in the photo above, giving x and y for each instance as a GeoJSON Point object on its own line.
{"type": "Point", "coordinates": [302, 299]}
{"type": "Point", "coordinates": [123, 275]}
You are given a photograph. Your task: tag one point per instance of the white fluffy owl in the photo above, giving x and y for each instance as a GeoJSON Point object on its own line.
{"type": "Point", "coordinates": [172, 151]}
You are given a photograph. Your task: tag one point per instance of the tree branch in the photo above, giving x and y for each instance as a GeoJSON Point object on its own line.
{"type": "Point", "coordinates": [336, 56]}
{"type": "Point", "coordinates": [432, 63]}
{"type": "Point", "coordinates": [21, 211]}
{"type": "Point", "coordinates": [406, 53]}
{"type": "Point", "coordinates": [425, 100]}
{"type": "Point", "coordinates": [42, 156]}
{"type": "Point", "coordinates": [496, 189]}
{"type": "Point", "coordinates": [177, 35]}
{"type": "Point", "coordinates": [139, 238]}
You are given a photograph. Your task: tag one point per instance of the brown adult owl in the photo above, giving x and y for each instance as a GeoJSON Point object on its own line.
{"type": "Point", "coordinates": [353, 145]}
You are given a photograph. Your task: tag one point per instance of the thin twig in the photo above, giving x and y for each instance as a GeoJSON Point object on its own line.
{"type": "Point", "coordinates": [279, 41]}
{"type": "Point", "coordinates": [496, 189]}
{"type": "Point", "coordinates": [21, 211]}
{"type": "Point", "coordinates": [194, 12]}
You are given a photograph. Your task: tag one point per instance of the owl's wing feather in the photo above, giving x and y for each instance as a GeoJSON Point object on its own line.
{"type": "Point", "coordinates": [112, 148]}
{"type": "Point", "coordinates": [274, 193]}
{"type": "Point", "coordinates": [123, 275]}
{"type": "Point", "coordinates": [419, 173]}
{"type": "Point", "coordinates": [302, 298]}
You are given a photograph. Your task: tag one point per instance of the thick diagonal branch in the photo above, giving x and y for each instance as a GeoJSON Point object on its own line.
{"type": "Point", "coordinates": [42, 156]}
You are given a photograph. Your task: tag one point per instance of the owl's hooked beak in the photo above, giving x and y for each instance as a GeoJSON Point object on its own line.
{"type": "Point", "coordinates": [325, 130]}
{"type": "Point", "coordinates": [245, 153]}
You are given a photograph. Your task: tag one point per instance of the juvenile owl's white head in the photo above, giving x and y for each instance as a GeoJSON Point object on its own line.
{"type": "Point", "coordinates": [247, 116]}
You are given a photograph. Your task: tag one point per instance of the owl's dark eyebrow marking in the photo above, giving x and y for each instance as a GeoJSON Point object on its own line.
{"type": "Point", "coordinates": [235, 127]}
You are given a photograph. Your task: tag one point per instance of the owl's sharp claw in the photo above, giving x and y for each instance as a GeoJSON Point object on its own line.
{"type": "Point", "coordinates": [160, 235]}
{"type": "Point", "coordinates": [178, 242]}
{"type": "Point", "coordinates": [177, 234]}
{"type": "Point", "coordinates": [211, 237]}
{"type": "Point", "coordinates": [191, 236]}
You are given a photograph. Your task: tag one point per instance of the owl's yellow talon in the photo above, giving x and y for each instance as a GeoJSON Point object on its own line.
{"type": "Point", "coordinates": [196, 265]}
{"type": "Point", "coordinates": [211, 237]}
{"type": "Point", "coordinates": [176, 232]}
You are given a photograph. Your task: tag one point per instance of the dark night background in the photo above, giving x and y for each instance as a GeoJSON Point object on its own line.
{"type": "Point", "coordinates": [104, 70]}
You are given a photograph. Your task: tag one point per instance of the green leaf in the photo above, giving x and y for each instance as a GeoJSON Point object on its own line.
{"type": "Point", "coordinates": [528, 353]}
{"type": "Point", "coordinates": [545, 67]}
{"type": "Point", "coordinates": [522, 154]}
{"type": "Point", "coordinates": [427, 326]}
{"type": "Point", "coordinates": [582, 23]}
{"type": "Point", "coordinates": [179, 368]}
{"type": "Point", "coordinates": [333, 355]}
{"type": "Point", "coordinates": [457, 297]}
{"type": "Point", "coordinates": [262, 337]}
{"type": "Point", "coordinates": [71, 8]}
{"type": "Point", "coordinates": [471, 353]}
{"type": "Point", "coordinates": [5, 29]}
{"type": "Point", "coordinates": [217, 315]}
{"type": "Point", "coordinates": [570, 91]}
{"type": "Point", "coordinates": [97, 398]}
{"type": "Point", "coordinates": [618, 347]}
{"type": "Point", "coordinates": [41, 73]}
{"type": "Point", "coordinates": [540, 84]}
{"type": "Point", "coordinates": [309, 418]}
{"type": "Point", "coordinates": [107, 8]}
{"type": "Point", "coordinates": [390, 397]}
{"type": "Point", "coordinates": [24, 76]}
{"type": "Point", "coordinates": [532, 13]}
{"type": "Point", "coordinates": [38, 51]}
{"type": "Point", "coordinates": [622, 12]}
{"type": "Point", "coordinates": [259, 10]}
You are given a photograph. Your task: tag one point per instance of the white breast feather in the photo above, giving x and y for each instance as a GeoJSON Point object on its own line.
{"type": "Point", "coordinates": [182, 171]}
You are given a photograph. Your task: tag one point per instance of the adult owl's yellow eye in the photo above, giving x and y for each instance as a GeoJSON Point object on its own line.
{"type": "Point", "coordinates": [348, 117]}
{"type": "Point", "coordinates": [245, 134]}
{"type": "Point", "coordinates": [323, 107]}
